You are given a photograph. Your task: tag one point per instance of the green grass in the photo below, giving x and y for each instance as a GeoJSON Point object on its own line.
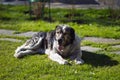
{"type": "Point", "coordinates": [104, 46]}
{"type": "Point", "coordinates": [15, 37]}
{"type": "Point", "coordinates": [89, 22]}
{"type": "Point", "coordinates": [98, 66]}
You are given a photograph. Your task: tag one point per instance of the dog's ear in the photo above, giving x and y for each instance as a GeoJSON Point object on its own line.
{"type": "Point", "coordinates": [52, 33]}
{"type": "Point", "coordinates": [72, 33]}
{"type": "Point", "coordinates": [57, 27]}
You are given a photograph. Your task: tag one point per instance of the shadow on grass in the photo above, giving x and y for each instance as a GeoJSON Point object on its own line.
{"type": "Point", "coordinates": [92, 59]}
{"type": "Point", "coordinates": [98, 59]}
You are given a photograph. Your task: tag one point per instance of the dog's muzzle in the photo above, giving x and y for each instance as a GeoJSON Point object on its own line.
{"type": "Point", "coordinates": [60, 46]}
{"type": "Point", "coordinates": [60, 42]}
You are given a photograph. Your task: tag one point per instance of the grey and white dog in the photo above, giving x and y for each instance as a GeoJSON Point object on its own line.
{"type": "Point", "coordinates": [58, 44]}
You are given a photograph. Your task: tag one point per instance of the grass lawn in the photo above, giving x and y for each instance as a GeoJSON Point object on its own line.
{"type": "Point", "coordinates": [86, 22]}
{"type": "Point", "coordinates": [98, 66]}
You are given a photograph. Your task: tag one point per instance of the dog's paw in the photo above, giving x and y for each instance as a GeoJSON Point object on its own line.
{"type": "Point", "coordinates": [79, 61]}
{"type": "Point", "coordinates": [17, 50]}
{"type": "Point", "coordinates": [64, 62]}
{"type": "Point", "coordinates": [18, 55]}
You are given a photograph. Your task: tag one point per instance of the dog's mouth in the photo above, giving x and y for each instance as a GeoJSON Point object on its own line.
{"type": "Point", "coordinates": [60, 47]}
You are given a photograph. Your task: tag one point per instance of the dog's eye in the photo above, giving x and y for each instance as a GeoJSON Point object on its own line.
{"type": "Point", "coordinates": [65, 33]}
{"type": "Point", "coordinates": [58, 32]}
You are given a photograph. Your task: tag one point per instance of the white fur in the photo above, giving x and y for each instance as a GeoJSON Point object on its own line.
{"type": "Point", "coordinates": [75, 52]}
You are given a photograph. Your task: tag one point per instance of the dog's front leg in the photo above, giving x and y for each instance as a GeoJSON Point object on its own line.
{"type": "Point", "coordinates": [78, 59]}
{"type": "Point", "coordinates": [56, 57]}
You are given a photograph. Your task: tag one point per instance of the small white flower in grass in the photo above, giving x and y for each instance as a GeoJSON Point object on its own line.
{"type": "Point", "coordinates": [76, 72]}
{"type": "Point", "coordinates": [90, 24]}
{"type": "Point", "coordinates": [92, 73]}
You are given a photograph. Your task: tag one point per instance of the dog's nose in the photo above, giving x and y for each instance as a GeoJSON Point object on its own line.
{"type": "Point", "coordinates": [60, 41]}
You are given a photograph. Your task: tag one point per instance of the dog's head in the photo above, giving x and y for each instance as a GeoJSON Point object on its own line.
{"type": "Point", "coordinates": [64, 35]}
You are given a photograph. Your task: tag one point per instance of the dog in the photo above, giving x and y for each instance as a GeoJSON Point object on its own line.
{"type": "Point", "coordinates": [59, 44]}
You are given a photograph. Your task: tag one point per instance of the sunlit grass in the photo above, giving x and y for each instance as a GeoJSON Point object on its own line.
{"type": "Point", "coordinates": [39, 67]}
{"type": "Point", "coordinates": [104, 46]}
{"type": "Point", "coordinates": [92, 22]}
{"type": "Point", "coordinates": [98, 66]}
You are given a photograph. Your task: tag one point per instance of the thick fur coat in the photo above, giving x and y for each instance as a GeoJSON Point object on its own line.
{"type": "Point", "coordinates": [58, 44]}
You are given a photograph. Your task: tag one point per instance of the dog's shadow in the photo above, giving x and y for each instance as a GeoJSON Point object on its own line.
{"type": "Point", "coordinates": [95, 59]}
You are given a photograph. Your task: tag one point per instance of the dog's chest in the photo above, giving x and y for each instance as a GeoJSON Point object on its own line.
{"type": "Point", "coordinates": [67, 51]}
